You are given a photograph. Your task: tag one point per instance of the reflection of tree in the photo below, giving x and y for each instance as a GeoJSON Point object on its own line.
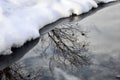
{"type": "Point", "coordinates": [68, 47]}
{"type": "Point", "coordinates": [68, 50]}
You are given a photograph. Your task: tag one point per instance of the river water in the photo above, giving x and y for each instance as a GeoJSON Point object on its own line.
{"type": "Point", "coordinates": [103, 36]}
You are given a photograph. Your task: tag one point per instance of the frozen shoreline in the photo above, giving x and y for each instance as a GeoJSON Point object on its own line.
{"type": "Point", "coordinates": [18, 53]}
{"type": "Point", "coordinates": [25, 18]}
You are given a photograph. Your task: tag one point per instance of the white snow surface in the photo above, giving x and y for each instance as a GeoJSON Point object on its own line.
{"type": "Point", "coordinates": [20, 20]}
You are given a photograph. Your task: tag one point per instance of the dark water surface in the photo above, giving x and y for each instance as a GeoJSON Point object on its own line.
{"type": "Point", "coordinates": [103, 35]}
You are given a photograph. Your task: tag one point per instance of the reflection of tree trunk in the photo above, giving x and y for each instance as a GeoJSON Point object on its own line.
{"type": "Point", "coordinates": [9, 74]}
{"type": "Point", "coordinates": [6, 73]}
{"type": "Point", "coordinates": [1, 73]}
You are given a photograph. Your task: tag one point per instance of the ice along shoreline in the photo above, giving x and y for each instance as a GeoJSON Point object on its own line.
{"type": "Point", "coordinates": [18, 53]}
{"type": "Point", "coordinates": [25, 18]}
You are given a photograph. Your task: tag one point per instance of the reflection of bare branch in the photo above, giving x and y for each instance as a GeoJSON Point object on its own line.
{"type": "Point", "coordinates": [70, 49]}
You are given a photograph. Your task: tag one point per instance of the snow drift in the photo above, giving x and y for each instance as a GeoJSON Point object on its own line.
{"type": "Point", "coordinates": [20, 20]}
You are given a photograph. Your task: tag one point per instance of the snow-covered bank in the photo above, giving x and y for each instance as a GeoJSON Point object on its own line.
{"type": "Point", "coordinates": [20, 21]}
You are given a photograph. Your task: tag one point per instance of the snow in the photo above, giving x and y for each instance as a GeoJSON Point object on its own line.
{"type": "Point", "coordinates": [20, 20]}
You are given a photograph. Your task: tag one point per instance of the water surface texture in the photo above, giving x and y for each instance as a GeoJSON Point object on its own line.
{"type": "Point", "coordinates": [104, 37]}
{"type": "Point", "coordinates": [102, 29]}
